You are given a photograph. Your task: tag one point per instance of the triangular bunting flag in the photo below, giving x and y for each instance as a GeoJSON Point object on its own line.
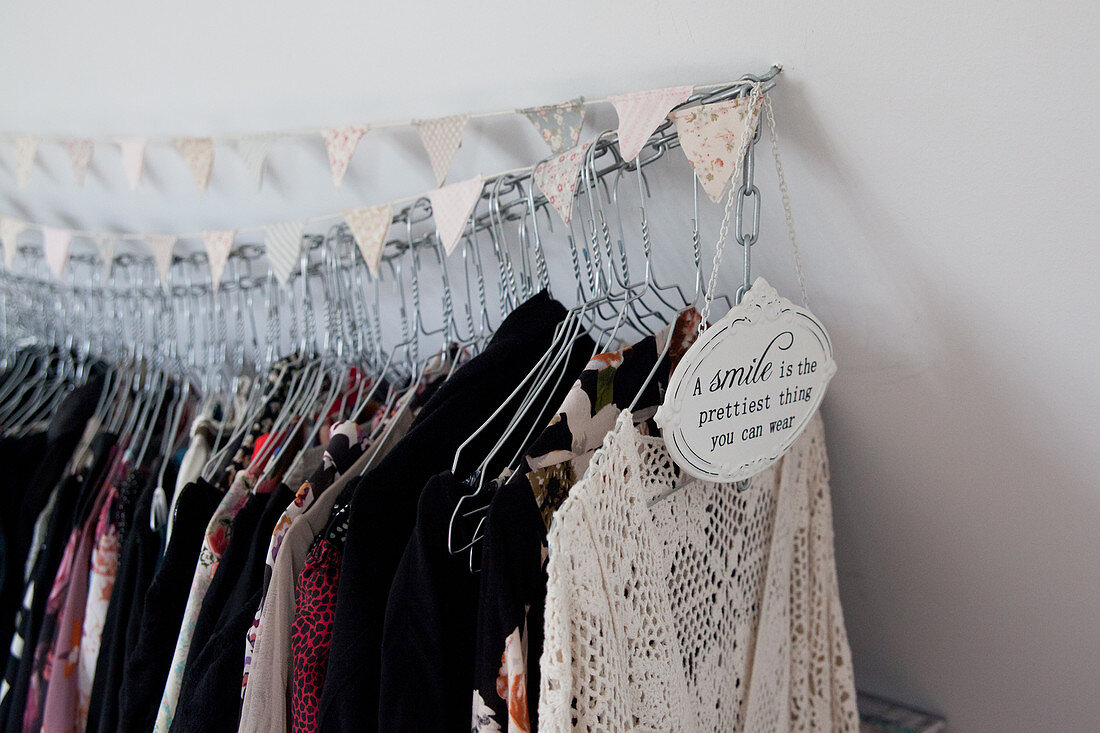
{"type": "Point", "coordinates": [441, 138]}
{"type": "Point", "coordinates": [340, 143]}
{"type": "Point", "coordinates": [283, 243]}
{"type": "Point", "coordinates": [254, 150]}
{"type": "Point", "coordinates": [559, 124]}
{"type": "Point", "coordinates": [10, 229]}
{"type": "Point", "coordinates": [80, 155]}
{"type": "Point", "coordinates": [57, 243]}
{"type": "Point", "coordinates": [711, 136]}
{"type": "Point", "coordinates": [369, 225]}
{"type": "Point", "coordinates": [162, 245]}
{"type": "Point", "coordinates": [198, 153]}
{"type": "Point", "coordinates": [105, 245]}
{"type": "Point", "coordinates": [557, 178]}
{"type": "Point", "coordinates": [133, 159]}
{"type": "Point", "coordinates": [641, 112]}
{"type": "Point", "coordinates": [218, 245]}
{"type": "Point", "coordinates": [451, 207]}
{"type": "Point", "coordinates": [26, 150]}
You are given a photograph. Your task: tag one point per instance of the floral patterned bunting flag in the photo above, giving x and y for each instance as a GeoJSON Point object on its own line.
{"type": "Point", "coordinates": [711, 136]}
{"type": "Point", "coordinates": [559, 124]}
{"type": "Point", "coordinates": [557, 178]}
{"type": "Point", "coordinates": [369, 225]}
{"type": "Point", "coordinates": [340, 142]}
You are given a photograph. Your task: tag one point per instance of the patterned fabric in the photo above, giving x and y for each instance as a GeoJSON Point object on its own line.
{"type": "Point", "coordinates": [198, 153]}
{"type": "Point", "coordinates": [708, 609]}
{"type": "Point", "coordinates": [711, 136]}
{"type": "Point", "coordinates": [26, 150]}
{"type": "Point", "coordinates": [509, 632]}
{"type": "Point", "coordinates": [218, 245]}
{"type": "Point", "coordinates": [253, 150]}
{"type": "Point", "coordinates": [441, 138]}
{"type": "Point", "coordinates": [216, 539]}
{"type": "Point", "coordinates": [80, 155]}
{"type": "Point", "coordinates": [369, 225]}
{"type": "Point", "coordinates": [162, 245]}
{"type": "Point", "coordinates": [557, 178]}
{"type": "Point", "coordinates": [340, 143]}
{"type": "Point", "coordinates": [641, 112]}
{"type": "Point", "coordinates": [133, 159]}
{"type": "Point", "coordinates": [283, 244]}
{"type": "Point", "coordinates": [10, 229]}
{"type": "Point", "coordinates": [104, 569]}
{"type": "Point", "coordinates": [451, 207]}
{"type": "Point", "coordinates": [56, 243]}
{"type": "Point", "coordinates": [311, 633]}
{"type": "Point", "coordinates": [278, 383]}
{"type": "Point", "coordinates": [559, 124]}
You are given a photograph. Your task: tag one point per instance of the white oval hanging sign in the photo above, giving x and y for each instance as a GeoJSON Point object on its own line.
{"type": "Point", "coordinates": [746, 389]}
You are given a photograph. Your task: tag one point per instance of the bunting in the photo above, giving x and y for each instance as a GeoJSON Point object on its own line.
{"type": "Point", "coordinates": [710, 136]}
{"type": "Point", "coordinates": [442, 138]}
{"type": "Point", "coordinates": [253, 150]}
{"type": "Point", "coordinates": [451, 207]}
{"type": "Point", "coordinates": [162, 245]}
{"type": "Point", "coordinates": [557, 178]}
{"type": "Point", "coordinates": [10, 229]}
{"type": "Point", "coordinates": [57, 243]}
{"type": "Point", "coordinates": [26, 150]}
{"type": "Point", "coordinates": [133, 159]}
{"type": "Point", "coordinates": [218, 245]}
{"type": "Point", "coordinates": [641, 112]}
{"type": "Point", "coordinates": [80, 156]}
{"type": "Point", "coordinates": [283, 243]}
{"type": "Point", "coordinates": [559, 124]}
{"type": "Point", "coordinates": [198, 153]}
{"type": "Point", "coordinates": [369, 225]}
{"type": "Point", "coordinates": [105, 245]}
{"type": "Point", "coordinates": [340, 142]}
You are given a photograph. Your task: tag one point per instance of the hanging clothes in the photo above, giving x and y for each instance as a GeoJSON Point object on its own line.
{"type": "Point", "coordinates": [382, 508]}
{"type": "Point", "coordinates": [641, 598]}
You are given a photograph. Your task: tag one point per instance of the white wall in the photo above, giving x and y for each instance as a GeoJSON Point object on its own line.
{"type": "Point", "coordinates": [942, 157]}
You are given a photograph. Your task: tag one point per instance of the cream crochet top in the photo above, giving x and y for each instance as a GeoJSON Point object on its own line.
{"type": "Point", "coordinates": [712, 610]}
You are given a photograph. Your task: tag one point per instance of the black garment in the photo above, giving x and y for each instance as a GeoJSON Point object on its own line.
{"type": "Point", "coordinates": [428, 640]}
{"type": "Point", "coordinates": [230, 567]}
{"type": "Point", "coordinates": [21, 460]}
{"type": "Point", "coordinates": [136, 566]}
{"type": "Point", "coordinates": [148, 662]}
{"type": "Point", "coordinates": [512, 592]}
{"type": "Point", "coordinates": [383, 506]}
{"type": "Point", "coordinates": [210, 694]}
{"type": "Point", "coordinates": [33, 622]}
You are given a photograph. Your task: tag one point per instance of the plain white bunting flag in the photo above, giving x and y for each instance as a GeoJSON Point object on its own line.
{"type": "Point", "coordinates": [711, 136]}
{"type": "Point", "coordinates": [641, 112]}
{"type": "Point", "coordinates": [80, 156]}
{"type": "Point", "coordinates": [340, 142]}
{"type": "Point", "coordinates": [162, 245]}
{"type": "Point", "coordinates": [254, 150]}
{"type": "Point", "coordinates": [105, 245]}
{"type": "Point", "coordinates": [557, 178]}
{"type": "Point", "coordinates": [441, 138]}
{"type": "Point", "coordinates": [218, 245]}
{"type": "Point", "coordinates": [57, 243]}
{"type": "Point", "coordinates": [198, 153]}
{"type": "Point", "coordinates": [369, 225]}
{"type": "Point", "coordinates": [26, 150]}
{"type": "Point", "coordinates": [283, 243]}
{"type": "Point", "coordinates": [451, 207]}
{"type": "Point", "coordinates": [10, 229]}
{"type": "Point", "coordinates": [133, 159]}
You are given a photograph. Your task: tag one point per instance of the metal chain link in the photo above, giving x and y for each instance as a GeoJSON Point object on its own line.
{"type": "Point", "coordinates": [723, 232]}
{"type": "Point", "coordinates": [786, 197]}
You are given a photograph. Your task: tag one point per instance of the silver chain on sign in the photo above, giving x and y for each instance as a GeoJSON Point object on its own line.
{"type": "Point", "coordinates": [735, 203]}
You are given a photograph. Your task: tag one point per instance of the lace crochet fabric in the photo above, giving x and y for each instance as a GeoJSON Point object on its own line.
{"type": "Point", "coordinates": [711, 610]}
